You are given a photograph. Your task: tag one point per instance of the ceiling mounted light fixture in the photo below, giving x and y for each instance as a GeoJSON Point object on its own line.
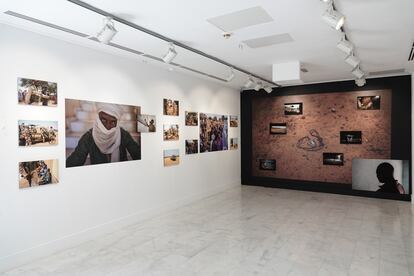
{"type": "Point", "coordinates": [268, 89]}
{"type": "Point", "coordinates": [170, 55]}
{"type": "Point", "coordinates": [357, 72]}
{"type": "Point", "coordinates": [345, 46]}
{"type": "Point", "coordinates": [248, 83]}
{"type": "Point", "coordinates": [360, 82]}
{"type": "Point", "coordinates": [231, 76]}
{"type": "Point", "coordinates": [108, 31]}
{"type": "Point", "coordinates": [258, 86]}
{"type": "Point", "coordinates": [333, 18]}
{"type": "Point", "coordinates": [352, 60]}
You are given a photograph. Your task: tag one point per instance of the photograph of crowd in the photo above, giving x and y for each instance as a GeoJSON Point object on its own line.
{"type": "Point", "coordinates": [171, 157]}
{"type": "Point", "coordinates": [36, 92]}
{"type": "Point", "coordinates": [267, 164]}
{"type": "Point", "coordinates": [37, 133]}
{"type": "Point", "coordinates": [171, 107]}
{"type": "Point", "coordinates": [278, 128]}
{"type": "Point", "coordinates": [213, 132]}
{"type": "Point", "coordinates": [351, 137]}
{"type": "Point", "coordinates": [146, 123]}
{"type": "Point", "coordinates": [369, 102]}
{"type": "Point", "coordinates": [171, 133]}
{"type": "Point", "coordinates": [191, 118]}
{"type": "Point", "coordinates": [234, 144]}
{"type": "Point", "coordinates": [191, 146]}
{"type": "Point", "coordinates": [333, 158]}
{"type": "Point", "coordinates": [35, 173]}
{"type": "Point", "coordinates": [234, 121]}
{"type": "Point", "coordinates": [293, 108]}
{"type": "Point", "coordinates": [98, 133]}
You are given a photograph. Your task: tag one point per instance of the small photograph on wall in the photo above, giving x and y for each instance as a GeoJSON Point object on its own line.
{"type": "Point", "coordinates": [234, 121]}
{"type": "Point", "coordinates": [171, 107]}
{"type": "Point", "coordinates": [146, 123]}
{"type": "Point", "coordinates": [98, 133]}
{"type": "Point", "coordinates": [234, 144]}
{"type": "Point", "coordinates": [293, 108]}
{"type": "Point", "coordinates": [191, 146]}
{"type": "Point", "coordinates": [213, 132]}
{"type": "Point", "coordinates": [333, 158]}
{"type": "Point", "coordinates": [171, 133]}
{"type": "Point", "coordinates": [191, 118]}
{"type": "Point", "coordinates": [171, 157]}
{"type": "Point", "coordinates": [381, 175]}
{"type": "Point", "coordinates": [278, 128]}
{"type": "Point", "coordinates": [368, 102]}
{"type": "Point", "coordinates": [351, 137]}
{"type": "Point", "coordinates": [37, 133]}
{"type": "Point", "coordinates": [267, 164]}
{"type": "Point", "coordinates": [36, 92]}
{"type": "Point", "coordinates": [36, 173]}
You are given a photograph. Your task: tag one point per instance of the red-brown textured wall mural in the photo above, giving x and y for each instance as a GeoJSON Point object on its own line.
{"type": "Point", "coordinates": [315, 130]}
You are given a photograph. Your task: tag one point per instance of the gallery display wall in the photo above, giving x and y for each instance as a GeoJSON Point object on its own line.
{"type": "Point", "coordinates": [333, 137]}
{"type": "Point", "coordinates": [85, 201]}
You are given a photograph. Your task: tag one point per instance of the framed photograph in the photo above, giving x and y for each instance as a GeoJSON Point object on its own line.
{"type": "Point", "coordinates": [171, 107]}
{"type": "Point", "coordinates": [267, 164]}
{"type": "Point", "coordinates": [99, 133]}
{"type": "Point", "coordinates": [213, 132]}
{"type": "Point", "coordinates": [278, 128]}
{"type": "Point", "coordinates": [171, 157]}
{"type": "Point", "coordinates": [293, 108]}
{"type": "Point", "coordinates": [351, 137]}
{"type": "Point", "coordinates": [37, 133]}
{"type": "Point", "coordinates": [171, 133]}
{"type": "Point", "coordinates": [368, 102]}
{"type": "Point", "coordinates": [191, 118]}
{"type": "Point", "coordinates": [146, 123]}
{"type": "Point", "coordinates": [37, 173]}
{"type": "Point", "coordinates": [191, 146]}
{"type": "Point", "coordinates": [234, 121]}
{"type": "Point", "coordinates": [333, 158]}
{"type": "Point", "coordinates": [36, 92]}
{"type": "Point", "coordinates": [234, 144]}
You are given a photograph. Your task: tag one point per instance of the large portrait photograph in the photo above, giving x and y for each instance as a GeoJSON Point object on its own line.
{"type": "Point", "coordinates": [37, 133]}
{"type": "Point", "coordinates": [37, 173]}
{"type": "Point", "coordinates": [36, 92]}
{"type": "Point", "coordinates": [98, 133]}
{"type": "Point", "coordinates": [213, 132]}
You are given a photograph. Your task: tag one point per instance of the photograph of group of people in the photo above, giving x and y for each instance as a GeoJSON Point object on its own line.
{"type": "Point", "coordinates": [38, 133]}
{"type": "Point", "coordinates": [35, 173]}
{"type": "Point", "coordinates": [36, 92]}
{"type": "Point", "coordinates": [213, 132]}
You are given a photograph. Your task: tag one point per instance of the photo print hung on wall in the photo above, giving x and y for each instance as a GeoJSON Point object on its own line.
{"type": "Point", "coordinates": [368, 102]}
{"type": "Point", "coordinates": [293, 108]}
{"type": "Point", "coordinates": [278, 128]}
{"type": "Point", "coordinates": [381, 175]}
{"type": "Point", "coordinates": [171, 157]}
{"type": "Point", "coordinates": [234, 121]}
{"type": "Point", "coordinates": [191, 118]}
{"type": "Point", "coordinates": [191, 146]}
{"type": "Point", "coordinates": [350, 137]}
{"type": "Point", "coordinates": [333, 158]}
{"type": "Point", "coordinates": [171, 107]}
{"type": "Point", "coordinates": [146, 123]}
{"type": "Point", "coordinates": [234, 144]}
{"type": "Point", "coordinates": [267, 164]}
{"type": "Point", "coordinates": [171, 132]}
{"type": "Point", "coordinates": [213, 132]}
{"type": "Point", "coordinates": [36, 92]}
{"type": "Point", "coordinates": [98, 133]}
{"type": "Point", "coordinates": [311, 142]}
{"type": "Point", "coordinates": [37, 173]}
{"type": "Point", "coordinates": [37, 133]}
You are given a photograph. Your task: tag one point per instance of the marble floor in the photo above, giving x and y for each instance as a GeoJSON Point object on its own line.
{"type": "Point", "coordinates": [252, 231]}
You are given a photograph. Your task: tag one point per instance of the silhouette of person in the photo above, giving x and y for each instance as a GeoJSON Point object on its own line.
{"type": "Point", "coordinates": [385, 174]}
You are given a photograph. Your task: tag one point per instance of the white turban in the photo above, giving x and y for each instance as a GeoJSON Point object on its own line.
{"type": "Point", "coordinates": [108, 141]}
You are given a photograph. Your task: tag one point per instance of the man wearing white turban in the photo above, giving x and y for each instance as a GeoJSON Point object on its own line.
{"type": "Point", "coordinates": [106, 142]}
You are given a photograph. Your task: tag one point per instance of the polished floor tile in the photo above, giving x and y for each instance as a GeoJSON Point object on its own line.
{"type": "Point", "coordinates": [252, 231]}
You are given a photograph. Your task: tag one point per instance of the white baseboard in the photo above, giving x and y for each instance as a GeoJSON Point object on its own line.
{"type": "Point", "coordinates": [53, 246]}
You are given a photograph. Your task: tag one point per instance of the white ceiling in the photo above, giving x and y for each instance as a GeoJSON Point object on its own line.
{"type": "Point", "coordinates": [381, 30]}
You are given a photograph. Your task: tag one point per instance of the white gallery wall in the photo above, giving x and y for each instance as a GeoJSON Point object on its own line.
{"type": "Point", "coordinates": [92, 200]}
